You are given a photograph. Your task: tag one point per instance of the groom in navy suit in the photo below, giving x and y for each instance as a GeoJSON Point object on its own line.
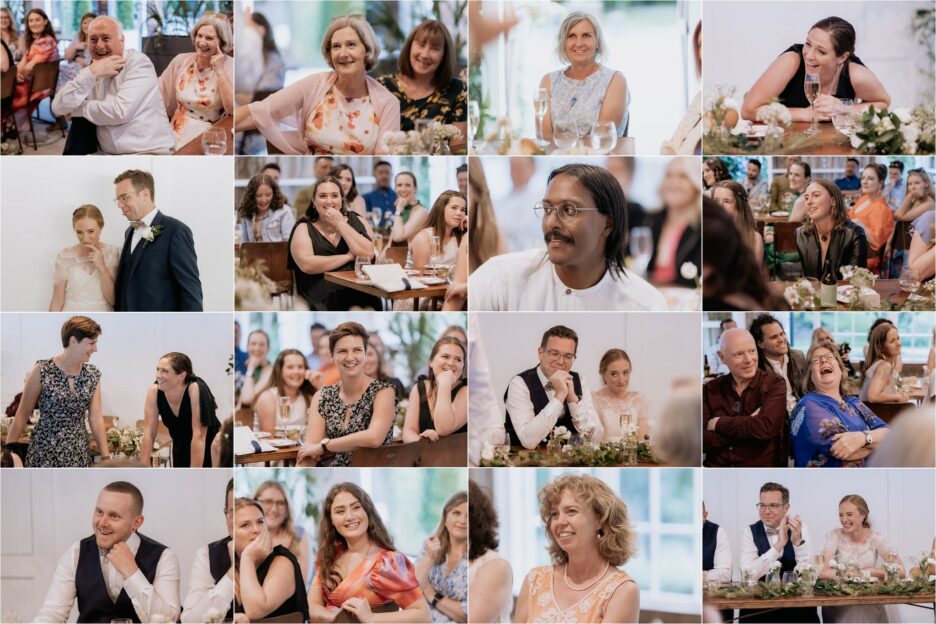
{"type": "Point", "coordinates": [158, 270]}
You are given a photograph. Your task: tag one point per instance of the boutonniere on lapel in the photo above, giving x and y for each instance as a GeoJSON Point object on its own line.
{"type": "Point", "coordinates": [150, 233]}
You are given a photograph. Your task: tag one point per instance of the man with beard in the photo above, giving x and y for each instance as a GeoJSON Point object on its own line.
{"type": "Point", "coordinates": [584, 224]}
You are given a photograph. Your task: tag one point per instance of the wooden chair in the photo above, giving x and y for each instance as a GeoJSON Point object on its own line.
{"type": "Point", "coordinates": [45, 76]}
{"type": "Point", "coordinates": [397, 254]}
{"type": "Point", "coordinates": [7, 88]}
{"type": "Point", "coordinates": [244, 416]}
{"type": "Point", "coordinates": [448, 451]}
{"type": "Point", "coordinates": [274, 256]}
{"type": "Point", "coordinates": [346, 617]}
{"type": "Point", "coordinates": [785, 236]}
{"type": "Point", "coordinates": [396, 455]}
{"type": "Point", "coordinates": [288, 618]}
{"type": "Point", "coordinates": [889, 411]}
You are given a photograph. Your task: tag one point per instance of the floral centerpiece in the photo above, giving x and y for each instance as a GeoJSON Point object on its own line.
{"type": "Point", "coordinates": [897, 131]}
{"type": "Point", "coordinates": [773, 574]}
{"type": "Point", "coordinates": [558, 436]}
{"type": "Point", "coordinates": [807, 575]}
{"type": "Point", "coordinates": [252, 287]}
{"type": "Point", "coordinates": [778, 119]}
{"type": "Point", "coordinates": [862, 295]}
{"type": "Point", "coordinates": [802, 295]}
{"type": "Point", "coordinates": [400, 143]}
{"type": "Point", "coordinates": [437, 136]}
{"type": "Point", "coordinates": [721, 111]}
{"type": "Point", "coordinates": [126, 440]}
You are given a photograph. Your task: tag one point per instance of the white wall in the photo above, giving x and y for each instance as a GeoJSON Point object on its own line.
{"type": "Point", "coordinates": [40, 193]}
{"type": "Point", "coordinates": [901, 502]}
{"type": "Point", "coordinates": [46, 511]}
{"type": "Point", "coordinates": [128, 350]}
{"type": "Point", "coordinates": [662, 347]}
{"type": "Point", "coordinates": [742, 38]}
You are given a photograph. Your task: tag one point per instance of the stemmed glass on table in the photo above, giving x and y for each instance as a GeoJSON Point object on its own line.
{"type": "Point", "coordinates": [539, 107]}
{"type": "Point", "coordinates": [565, 133]}
{"type": "Point", "coordinates": [603, 137]}
{"type": "Point", "coordinates": [811, 86]}
{"type": "Point", "coordinates": [909, 281]}
{"type": "Point", "coordinates": [282, 416]}
{"type": "Point", "coordinates": [641, 247]}
{"type": "Point", "coordinates": [474, 118]}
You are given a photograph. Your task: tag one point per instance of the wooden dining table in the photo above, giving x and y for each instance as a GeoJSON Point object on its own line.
{"type": "Point", "coordinates": [762, 605]}
{"type": "Point", "coordinates": [348, 279]}
{"type": "Point", "coordinates": [626, 146]}
{"type": "Point", "coordinates": [888, 289]}
{"type": "Point", "coordinates": [194, 147]}
{"type": "Point", "coordinates": [449, 450]}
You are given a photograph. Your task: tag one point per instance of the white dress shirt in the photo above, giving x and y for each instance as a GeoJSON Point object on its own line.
{"type": "Point", "coordinates": [781, 369]}
{"type": "Point", "coordinates": [137, 235]}
{"type": "Point", "coordinates": [527, 280]}
{"type": "Point", "coordinates": [721, 570]}
{"type": "Point", "coordinates": [204, 594]}
{"type": "Point", "coordinates": [159, 598]}
{"type": "Point", "coordinates": [760, 564]}
{"type": "Point", "coordinates": [532, 428]}
{"type": "Point", "coordinates": [487, 419]}
{"type": "Point", "coordinates": [716, 366]}
{"type": "Point", "coordinates": [127, 109]}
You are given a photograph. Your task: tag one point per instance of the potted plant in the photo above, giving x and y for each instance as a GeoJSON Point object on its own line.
{"type": "Point", "coordinates": [170, 26]}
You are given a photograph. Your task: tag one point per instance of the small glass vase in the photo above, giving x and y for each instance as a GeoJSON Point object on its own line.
{"type": "Point", "coordinates": [441, 148]}
{"type": "Point", "coordinates": [773, 578]}
{"type": "Point", "coordinates": [554, 446]}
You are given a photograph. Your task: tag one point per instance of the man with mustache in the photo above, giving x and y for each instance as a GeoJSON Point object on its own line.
{"type": "Point", "coordinates": [584, 222]}
{"type": "Point", "coordinates": [550, 395]}
{"type": "Point", "coordinates": [744, 411]}
{"type": "Point", "coordinates": [118, 93]}
{"type": "Point", "coordinates": [117, 573]}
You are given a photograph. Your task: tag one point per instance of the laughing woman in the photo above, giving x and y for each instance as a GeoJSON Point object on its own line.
{"type": "Point", "coordinates": [589, 535]}
{"type": "Point", "coordinates": [357, 568]}
{"type": "Point", "coordinates": [356, 412]}
{"type": "Point", "coordinates": [829, 50]}
{"type": "Point", "coordinates": [287, 381]}
{"type": "Point", "coordinates": [442, 569]}
{"type": "Point", "coordinates": [438, 403]}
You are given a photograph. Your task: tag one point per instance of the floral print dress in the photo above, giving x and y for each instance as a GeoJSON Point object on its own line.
{"type": "Point", "coordinates": [342, 126]}
{"type": "Point", "coordinates": [542, 605]}
{"type": "Point", "coordinates": [447, 106]}
{"type": "Point", "coordinates": [60, 440]}
{"type": "Point", "coordinates": [817, 418]}
{"type": "Point", "coordinates": [454, 585]}
{"type": "Point", "coordinates": [334, 411]}
{"type": "Point", "coordinates": [199, 102]}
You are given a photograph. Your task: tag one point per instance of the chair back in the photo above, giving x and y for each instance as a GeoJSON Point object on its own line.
{"type": "Point", "coordinates": [447, 451]}
{"type": "Point", "coordinates": [346, 617]}
{"type": "Point", "coordinates": [286, 618]}
{"type": "Point", "coordinates": [395, 455]}
{"type": "Point", "coordinates": [785, 236]}
{"type": "Point", "coordinates": [8, 83]}
{"type": "Point", "coordinates": [45, 76]}
{"type": "Point", "coordinates": [397, 254]}
{"type": "Point", "coordinates": [889, 411]}
{"type": "Point", "coordinates": [244, 416]}
{"type": "Point", "coordinates": [275, 256]}
{"type": "Point", "coordinates": [903, 233]}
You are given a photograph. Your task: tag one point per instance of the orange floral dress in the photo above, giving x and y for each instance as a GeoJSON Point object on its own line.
{"type": "Point", "coordinates": [542, 607]}
{"type": "Point", "coordinates": [877, 219]}
{"type": "Point", "coordinates": [199, 102]}
{"type": "Point", "coordinates": [42, 50]}
{"type": "Point", "coordinates": [342, 126]}
{"type": "Point", "coordinates": [383, 577]}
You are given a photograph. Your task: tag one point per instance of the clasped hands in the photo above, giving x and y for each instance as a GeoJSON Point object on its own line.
{"type": "Point", "coordinates": [564, 387]}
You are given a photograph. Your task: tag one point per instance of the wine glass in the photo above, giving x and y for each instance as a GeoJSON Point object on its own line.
{"type": "Point", "coordinates": [474, 117]}
{"type": "Point", "coordinates": [565, 133]}
{"type": "Point", "coordinates": [641, 247]}
{"type": "Point", "coordinates": [788, 578]}
{"type": "Point", "coordinates": [359, 263]}
{"type": "Point", "coordinates": [378, 245]}
{"type": "Point", "coordinates": [214, 142]}
{"type": "Point", "coordinates": [909, 281]}
{"type": "Point", "coordinates": [811, 86]}
{"type": "Point", "coordinates": [603, 137]}
{"type": "Point", "coordinates": [539, 108]}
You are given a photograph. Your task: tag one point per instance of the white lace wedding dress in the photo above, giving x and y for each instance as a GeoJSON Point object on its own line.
{"type": "Point", "coordinates": [82, 279]}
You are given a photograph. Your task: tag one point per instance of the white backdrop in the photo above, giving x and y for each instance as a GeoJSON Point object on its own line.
{"type": "Point", "coordinates": [901, 502]}
{"type": "Point", "coordinates": [742, 38]}
{"type": "Point", "coordinates": [39, 195]}
{"type": "Point", "coordinates": [46, 511]}
{"type": "Point", "coordinates": [662, 347]}
{"type": "Point", "coordinates": [128, 350]}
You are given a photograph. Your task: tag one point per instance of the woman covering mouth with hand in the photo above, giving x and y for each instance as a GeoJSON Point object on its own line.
{"type": "Point", "coordinates": [438, 402]}
{"type": "Point", "coordinates": [356, 412]}
{"type": "Point", "coordinates": [829, 429]}
{"type": "Point", "coordinates": [357, 567]}
{"type": "Point", "coordinates": [589, 535]}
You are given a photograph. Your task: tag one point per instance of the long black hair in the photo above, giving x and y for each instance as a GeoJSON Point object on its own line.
{"type": "Point", "coordinates": [609, 199]}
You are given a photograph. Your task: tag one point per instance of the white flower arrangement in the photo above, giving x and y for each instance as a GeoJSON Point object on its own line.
{"type": "Point", "coordinates": [126, 440]}
{"type": "Point", "coordinates": [776, 565]}
{"type": "Point", "coordinates": [402, 143]}
{"type": "Point", "coordinates": [487, 451]}
{"type": "Point", "coordinates": [213, 616]}
{"type": "Point", "coordinates": [437, 133]}
{"type": "Point", "coordinates": [801, 295]}
{"type": "Point", "coordinates": [859, 276]}
{"type": "Point", "coordinates": [774, 113]}
{"type": "Point", "coordinates": [561, 433]}
{"type": "Point", "coordinates": [897, 131]}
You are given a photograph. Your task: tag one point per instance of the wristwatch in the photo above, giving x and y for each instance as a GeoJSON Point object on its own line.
{"type": "Point", "coordinates": [324, 444]}
{"type": "Point", "coordinates": [438, 596]}
{"type": "Point", "coordinates": [868, 439]}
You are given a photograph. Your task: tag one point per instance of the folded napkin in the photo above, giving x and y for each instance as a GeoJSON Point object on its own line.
{"type": "Point", "coordinates": [391, 277]}
{"type": "Point", "coordinates": [245, 442]}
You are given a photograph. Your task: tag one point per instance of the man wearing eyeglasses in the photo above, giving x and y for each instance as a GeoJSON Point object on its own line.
{"type": "Point", "coordinates": [744, 411]}
{"type": "Point", "coordinates": [550, 395]}
{"type": "Point", "coordinates": [583, 217]}
{"type": "Point", "coordinates": [777, 536]}
{"type": "Point", "coordinates": [211, 585]}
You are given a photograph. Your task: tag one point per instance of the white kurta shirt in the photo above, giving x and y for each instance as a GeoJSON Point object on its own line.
{"type": "Point", "coordinates": [204, 594]}
{"type": "Point", "coordinates": [159, 598]}
{"type": "Point", "coordinates": [527, 280]}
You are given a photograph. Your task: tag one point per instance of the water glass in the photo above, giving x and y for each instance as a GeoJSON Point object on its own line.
{"type": "Point", "coordinates": [603, 137]}
{"type": "Point", "coordinates": [214, 142]}
{"type": "Point", "coordinates": [565, 133]}
{"type": "Point", "coordinates": [641, 248]}
{"type": "Point", "coordinates": [788, 578]}
{"type": "Point", "coordinates": [474, 117]}
{"type": "Point", "coordinates": [359, 263]}
{"type": "Point", "coordinates": [909, 281]}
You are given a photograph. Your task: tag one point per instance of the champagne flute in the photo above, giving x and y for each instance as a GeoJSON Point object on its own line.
{"type": "Point", "coordinates": [641, 247]}
{"type": "Point", "coordinates": [435, 251]}
{"type": "Point", "coordinates": [603, 137]}
{"type": "Point", "coordinates": [811, 86]}
{"type": "Point", "coordinates": [539, 108]}
{"type": "Point", "coordinates": [474, 118]}
{"type": "Point", "coordinates": [378, 245]}
{"type": "Point", "coordinates": [285, 406]}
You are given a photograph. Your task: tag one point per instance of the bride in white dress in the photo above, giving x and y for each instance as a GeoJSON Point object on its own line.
{"type": "Point", "coordinates": [615, 399]}
{"type": "Point", "coordinates": [85, 273]}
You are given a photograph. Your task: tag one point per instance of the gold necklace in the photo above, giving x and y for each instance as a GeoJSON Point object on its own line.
{"type": "Point", "coordinates": [565, 578]}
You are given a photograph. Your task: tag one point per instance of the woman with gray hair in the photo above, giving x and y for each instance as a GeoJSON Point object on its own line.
{"type": "Point", "coordinates": [342, 111]}
{"type": "Point", "coordinates": [198, 87]}
{"type": "Point", "coordinates": [586, 91]}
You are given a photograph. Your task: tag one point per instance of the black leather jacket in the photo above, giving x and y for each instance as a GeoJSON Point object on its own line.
{"type": "Point", "coordinates": [848, 246]}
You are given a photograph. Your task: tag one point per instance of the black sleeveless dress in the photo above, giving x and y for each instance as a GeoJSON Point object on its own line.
{"type": "Point", "coordinates": [322, 295]}
{"type": "Point", "coordinates": [180, 426]}
{"type": "Point", "coordinates": [794, 93]}
{"type": "Point", "coordinates": [295, 603]}
{"type": "Point", "coordinates": [425, 415]}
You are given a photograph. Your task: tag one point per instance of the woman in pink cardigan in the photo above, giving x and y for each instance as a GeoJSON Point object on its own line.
{"type": "Point", "coordinates": [342, 112]}
{"type": "Point", "coordinates": [198, 87]}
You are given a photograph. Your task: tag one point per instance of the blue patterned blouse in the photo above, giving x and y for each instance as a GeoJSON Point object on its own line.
{"type": "Point", "coordinates": [817, 418]}
{"type": "Point", "coordinates": [454, 586]}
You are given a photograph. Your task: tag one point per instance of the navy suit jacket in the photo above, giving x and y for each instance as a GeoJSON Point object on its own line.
{"type": "Point", "coordinates": [161, 276]}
